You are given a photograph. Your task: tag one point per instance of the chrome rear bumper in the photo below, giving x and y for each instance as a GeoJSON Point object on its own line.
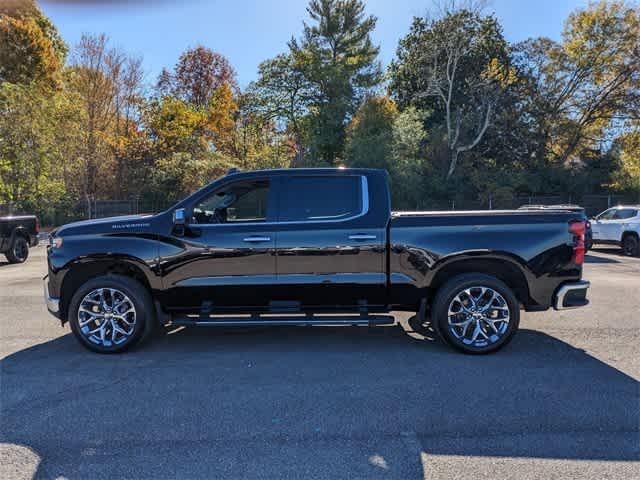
{"type": "Point", "coordinates": [53, 304]}
{"type": "Point", "coordinates": [571, 295]}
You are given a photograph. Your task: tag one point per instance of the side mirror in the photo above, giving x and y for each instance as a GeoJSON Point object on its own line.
{"type": "Point", "coordinates": [179, 216]}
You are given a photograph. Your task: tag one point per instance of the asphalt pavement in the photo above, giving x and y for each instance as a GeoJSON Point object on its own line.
{"type": "Point", "coordinates": [561, 401]}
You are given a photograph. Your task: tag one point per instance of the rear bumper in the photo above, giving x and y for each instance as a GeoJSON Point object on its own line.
{"type": "Point", "coordinates": [571, 295]}
{"type": "Point", "coordinates": [53, 303]}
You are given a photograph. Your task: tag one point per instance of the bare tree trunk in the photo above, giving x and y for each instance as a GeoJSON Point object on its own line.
{"type": "Point", "coordinates": [298, 159]}
{"type": "Point", "coordinates": [453, 162]}
{"type": "Point", "coordinates": [456, 150]}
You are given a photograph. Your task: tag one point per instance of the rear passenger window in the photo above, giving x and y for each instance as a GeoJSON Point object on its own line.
{"type": "Point", "coordinates": [320, 198]}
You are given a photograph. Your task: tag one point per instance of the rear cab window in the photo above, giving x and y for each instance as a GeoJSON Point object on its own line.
{"type": "Point", "coordinates": [321, 198]}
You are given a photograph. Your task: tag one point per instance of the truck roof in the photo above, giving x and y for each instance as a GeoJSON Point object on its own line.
{"type": "Point", "coordinates": [307, 171]}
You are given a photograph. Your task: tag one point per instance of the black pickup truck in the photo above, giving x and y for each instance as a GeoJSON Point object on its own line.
{"type": "Point", "coordinates": [17, 234]}
{"type": "Point", "coordinates": [312, 247]}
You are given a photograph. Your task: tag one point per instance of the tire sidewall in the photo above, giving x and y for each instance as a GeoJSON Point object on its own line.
{"type": "Point", "coordinates": [132, 289]}
{"type": "Point", "coordinates": [633, 248]}
{"type": "Point", "coordinates": [447, 293]}
{"type": "Point", "coordinates": [19, 239]}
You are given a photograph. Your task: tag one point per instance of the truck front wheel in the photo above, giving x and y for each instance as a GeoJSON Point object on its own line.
{"type": "Point", "coordinates": [476, 313]}
{"type": "Point", "coordinates": [111, 313]}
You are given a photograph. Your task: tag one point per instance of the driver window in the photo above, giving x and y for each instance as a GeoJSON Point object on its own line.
{"type": "Point", "coordinates": [238, 202]}
{"type": "Point", "coordinates": [607, 215]}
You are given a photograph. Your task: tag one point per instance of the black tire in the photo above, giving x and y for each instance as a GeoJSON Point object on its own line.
{"type": "Point", "coordinates": [451, 289]}
{"type": "Point", "coordinates": [631, 245]}
{"type": "Point", "coordinates": [145, 318]}
{"type": "Point", "coordinates": [19, 250]}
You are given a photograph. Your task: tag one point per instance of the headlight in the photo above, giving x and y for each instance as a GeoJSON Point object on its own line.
{"type": "Point", "coordinates": [55, 242]}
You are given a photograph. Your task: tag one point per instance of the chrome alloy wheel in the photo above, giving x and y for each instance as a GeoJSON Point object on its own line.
{"type": "Point", "coordinates": [106, 317]}
{"type": "Point", "coordinates": [478, 316]}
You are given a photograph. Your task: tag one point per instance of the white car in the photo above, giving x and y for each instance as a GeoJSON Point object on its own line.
{"type": "Point", "coordinates": [619, 226]}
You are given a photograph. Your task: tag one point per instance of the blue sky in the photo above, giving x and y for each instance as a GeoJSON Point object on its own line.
{"type": "Point", "coordinates": [249, 31]}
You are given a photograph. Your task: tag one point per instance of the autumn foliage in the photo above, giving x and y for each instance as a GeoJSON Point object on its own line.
{"type": "Point", "coordinates": [461, 113]}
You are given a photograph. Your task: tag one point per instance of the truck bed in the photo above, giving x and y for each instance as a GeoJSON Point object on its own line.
{"type": "Point", "coordinates": [531, 244]}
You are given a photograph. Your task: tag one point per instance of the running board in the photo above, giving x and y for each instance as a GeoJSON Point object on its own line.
{"type": "Point", "coordinates": [258, 320]}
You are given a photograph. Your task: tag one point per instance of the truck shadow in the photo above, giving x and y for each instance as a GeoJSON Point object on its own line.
{"type": "Point", "coordinates": [309, 402]}
{"type": "Point", "coordinates": [593, 259]}
{"type": "Point", "coordinates": [613, 253]}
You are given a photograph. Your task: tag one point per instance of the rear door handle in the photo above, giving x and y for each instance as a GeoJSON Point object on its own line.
{"type": "Point", "coordinates": [362, 237]}
{"type": "Point", "coordinates": [256, 239]}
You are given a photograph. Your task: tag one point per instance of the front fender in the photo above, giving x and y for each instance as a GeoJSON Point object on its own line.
{"type": "Point", "coordinates": [139, 251]}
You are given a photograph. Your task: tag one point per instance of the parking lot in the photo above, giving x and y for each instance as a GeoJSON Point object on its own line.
{"type": "Point", "coordinates": [561, 401]}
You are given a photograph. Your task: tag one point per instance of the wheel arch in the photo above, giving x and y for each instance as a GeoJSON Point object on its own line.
{"type": "Point", "coordinates": [19, 231]}
{"type": "Point", "coordinates": [506, 270]}
{"type": "Point", "coordinates": [80, 271]}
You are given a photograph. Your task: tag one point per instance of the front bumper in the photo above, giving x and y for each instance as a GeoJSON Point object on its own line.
{"type": "Point", "coordinates": [53, 304]}
{"type": "Point", "coordinates": [571, 295]}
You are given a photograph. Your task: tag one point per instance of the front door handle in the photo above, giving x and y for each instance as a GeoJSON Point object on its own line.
{"type": "Point", "coordinates": [256, 239]}
{"type": "Point", "coordinates": [362, 237]}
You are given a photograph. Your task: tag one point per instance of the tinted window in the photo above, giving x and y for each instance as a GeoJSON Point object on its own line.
{"type": "Point", "coordinates": [320, 198]}
{"type": "Point", "coordinates": [625, 213]}
{"type": "Point", "coordinates": [238, 202]}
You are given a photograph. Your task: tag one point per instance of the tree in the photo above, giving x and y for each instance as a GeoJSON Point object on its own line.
{"type": "Point", "coordinates": [456, 66]}
{"type": "Point", "coordinates": [38, 120]}
{"type": "Point", "coordinates": [370, 134]}
{"type": "Point", "coordinates": [626, 175]}
{"type": "Point", "coordinates": [26, 52]}
{"type": "Point", "coordinates": [409, 166]}
{"type": "Point", "coordinates": [258, 142]}
{"type": "Point", "coordinates": [174, 126]}
{"type": "Point", "coordinates": [585, 85]}
{"type": "Point", "coordinates": [338, 59]}
{"type": "Point", "coordinates": [222, 110]}
{"type": "Point", "coordinates": [282, 93]}
{"type": "Point", "coordinates": [37, 133]}
{"type": "Point", "coordinates": [109, 85]}
{"type": "Point", "coordinates": [197, 75]}
{"type": "Point", "coordinates": [189, 145]}
{"type": "Point", "coordinates": [379, 136]}
{"type": "Point", "coordinates": [28, 9]}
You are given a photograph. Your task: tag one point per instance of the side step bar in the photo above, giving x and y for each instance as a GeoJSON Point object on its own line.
{"type": "Point", "coordinates": [258, 320]}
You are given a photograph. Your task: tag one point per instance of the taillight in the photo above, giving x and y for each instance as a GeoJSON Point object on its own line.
{"type": "Point", "coordinates": [578, 229]}
{"type": "Point", "coordinates": [37, 225]}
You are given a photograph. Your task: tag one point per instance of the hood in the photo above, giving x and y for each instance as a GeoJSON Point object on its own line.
{"type": "Point", "coordinates": [122, 224]}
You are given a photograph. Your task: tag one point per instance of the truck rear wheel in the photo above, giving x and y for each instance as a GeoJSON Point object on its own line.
{"type": "Point", "coordinates": [111, 313]}
{"type": "Point", "coordinates": [18, 251]}
{"type": "Point", "coordinates": [476, 313]}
